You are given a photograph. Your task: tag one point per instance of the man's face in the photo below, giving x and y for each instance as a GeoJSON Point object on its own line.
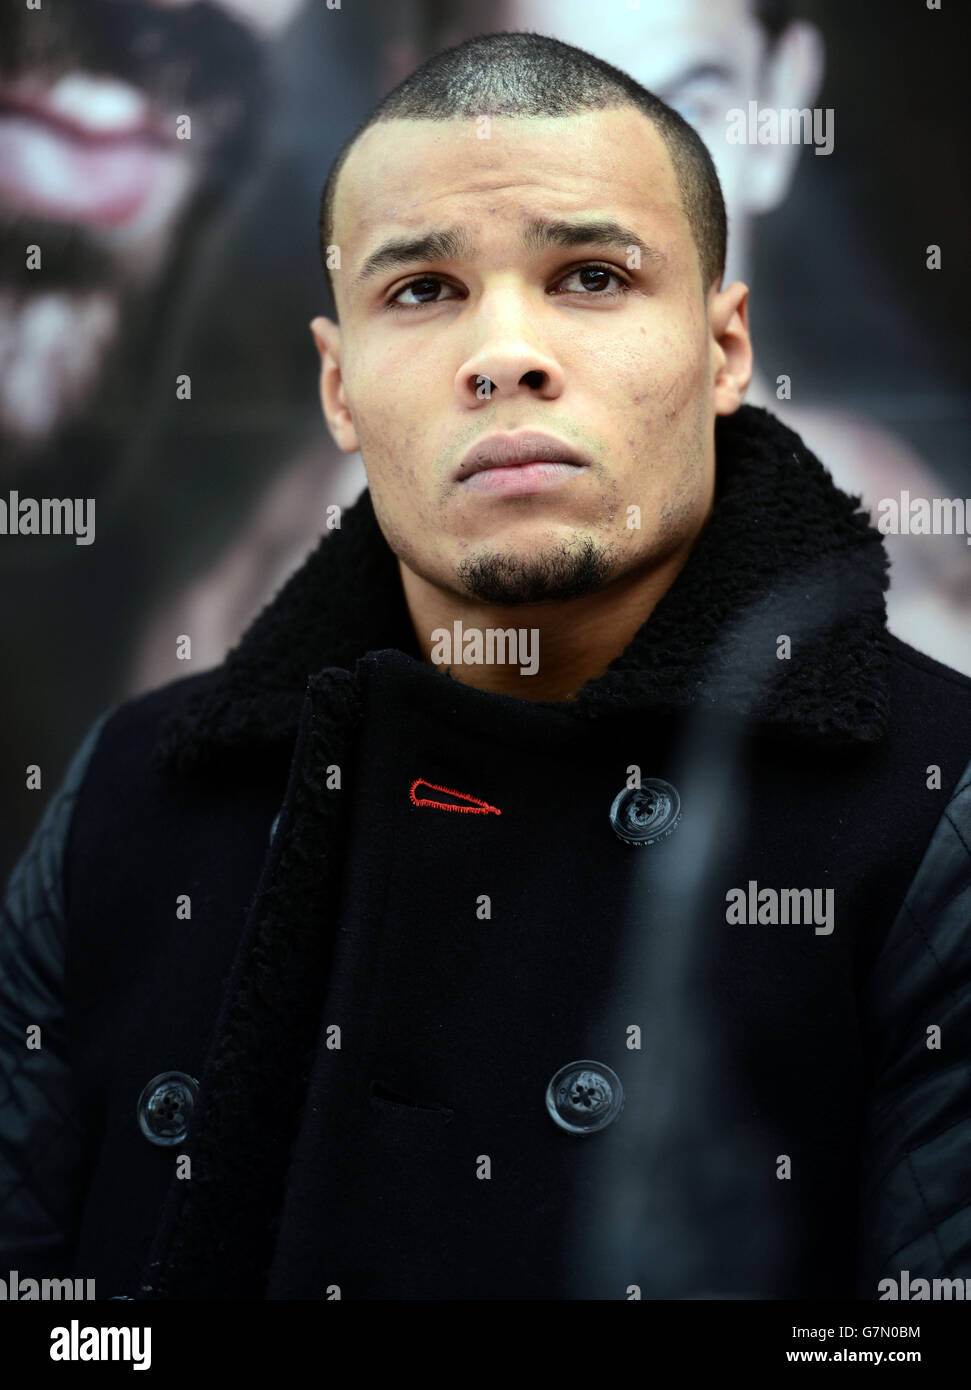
{"type": "Point", "coordinates": [92, 172]}
{"type": "Point", "coordinates": [617, 361]}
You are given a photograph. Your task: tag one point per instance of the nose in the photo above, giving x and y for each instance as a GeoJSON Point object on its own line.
{"type": "Point", "coordinates": [507, 361]}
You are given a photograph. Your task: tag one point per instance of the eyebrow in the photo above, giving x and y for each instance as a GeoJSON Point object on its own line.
{"type": "Point", "coordinates": [699, 72]}
{"type": "Point", "coordinates": [443, 245]}
{"type": "Point", "coordinates": [540, 234]}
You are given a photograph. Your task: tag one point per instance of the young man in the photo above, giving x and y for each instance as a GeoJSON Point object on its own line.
{"type": "Point", "coordinates": [560, 891]}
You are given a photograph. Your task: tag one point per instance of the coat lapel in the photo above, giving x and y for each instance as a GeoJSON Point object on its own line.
{"type": "Point", "coordinates": [217, 1231]}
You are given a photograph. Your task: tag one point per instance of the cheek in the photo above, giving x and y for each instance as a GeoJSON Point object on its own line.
{"type": "Point", "coordinates": [392, 423]}
{"type": "Point", "coordinates": [664, 380]}
{"type": "Point", "coordinates": [666, 357]}
{"type": "Point", "coordinates": [388, 424]}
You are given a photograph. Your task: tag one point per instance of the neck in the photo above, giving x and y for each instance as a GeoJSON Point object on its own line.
{"type": "Point", "coordinates": [558, 647]}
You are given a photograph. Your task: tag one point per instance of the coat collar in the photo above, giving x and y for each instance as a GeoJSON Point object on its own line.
{"type": "Point", "coordinates": [785, 553]}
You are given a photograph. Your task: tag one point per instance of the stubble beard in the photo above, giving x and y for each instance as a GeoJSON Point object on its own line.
{"type": "Point", "coordinates": [557, 573]}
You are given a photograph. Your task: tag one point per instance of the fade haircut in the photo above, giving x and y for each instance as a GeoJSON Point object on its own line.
{"type": "Point", "coordinates": [525, 74]}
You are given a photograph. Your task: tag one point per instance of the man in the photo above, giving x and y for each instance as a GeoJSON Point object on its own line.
{"type": "Point", "coordinates": [558, 892]}
{"type": "Point", "coordinates": [706, 61]}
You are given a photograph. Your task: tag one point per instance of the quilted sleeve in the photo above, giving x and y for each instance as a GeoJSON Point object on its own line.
{"type": "Point", "coordinates": [39, 1148]}
{"type": "Point", "coordinates": [916, 1178]}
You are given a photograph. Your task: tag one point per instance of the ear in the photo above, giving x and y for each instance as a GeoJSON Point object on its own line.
{"type": "Point", "coordinates": [333, 397]}
{"type": "Point", "coordinates": [792, 77]}
{"type": "Point", "coordinates": [731, 346]}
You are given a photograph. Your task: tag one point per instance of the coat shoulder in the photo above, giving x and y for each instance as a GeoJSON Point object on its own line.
{"type": "Point", "coordinates": [930, 708]}
{"type": "Point", "coordinates": [141, 718]}
{"type": "Point", "coordinates": [927, 673]}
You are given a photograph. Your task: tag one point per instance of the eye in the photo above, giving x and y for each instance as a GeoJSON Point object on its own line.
{"type": "Point", "coordinates": [598, 274]}
{"type": "Point", "coordinates": [696, 110]}
{"type": "Point", "coordinates": [424, 284]}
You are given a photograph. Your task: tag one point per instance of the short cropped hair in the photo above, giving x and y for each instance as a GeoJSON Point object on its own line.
{"type": "Point", "coordinates": [525, 74]}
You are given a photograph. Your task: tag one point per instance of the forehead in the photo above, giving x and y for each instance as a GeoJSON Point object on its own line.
{"type": "Point", "coordinates": [411, 174]}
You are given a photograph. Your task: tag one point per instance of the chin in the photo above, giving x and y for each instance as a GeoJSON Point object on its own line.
{"type": "Point", "coordinates": [538, 573]}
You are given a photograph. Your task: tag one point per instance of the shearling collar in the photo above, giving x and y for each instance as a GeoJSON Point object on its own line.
{"type": "Point", "coordinates": [785, 553]}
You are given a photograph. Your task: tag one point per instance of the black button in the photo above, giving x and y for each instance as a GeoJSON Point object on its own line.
{"type": "Point", "coordinates": [164, 1107]}
{"type": "Point", "coordinates": [645, 814]}
{"type": "Point", "coordinates": [584, 1097]}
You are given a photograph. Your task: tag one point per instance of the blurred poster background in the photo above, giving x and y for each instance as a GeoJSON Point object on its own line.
{"type": "Point", "coordinates": [165, 258]}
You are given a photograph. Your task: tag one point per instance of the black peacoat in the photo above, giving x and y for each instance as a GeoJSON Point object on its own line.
{"type": "Point", "coordinates": [354, 981]}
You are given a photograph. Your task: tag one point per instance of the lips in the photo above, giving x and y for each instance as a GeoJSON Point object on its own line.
{"type": "Point", "coordinates": [83, 105]}
{"type": "Point", "coordinates": [513, 465]}
{"type": "Point", "coordinates": [84, 149]}
{"type": "Point", "coordinates": [526, 447]}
